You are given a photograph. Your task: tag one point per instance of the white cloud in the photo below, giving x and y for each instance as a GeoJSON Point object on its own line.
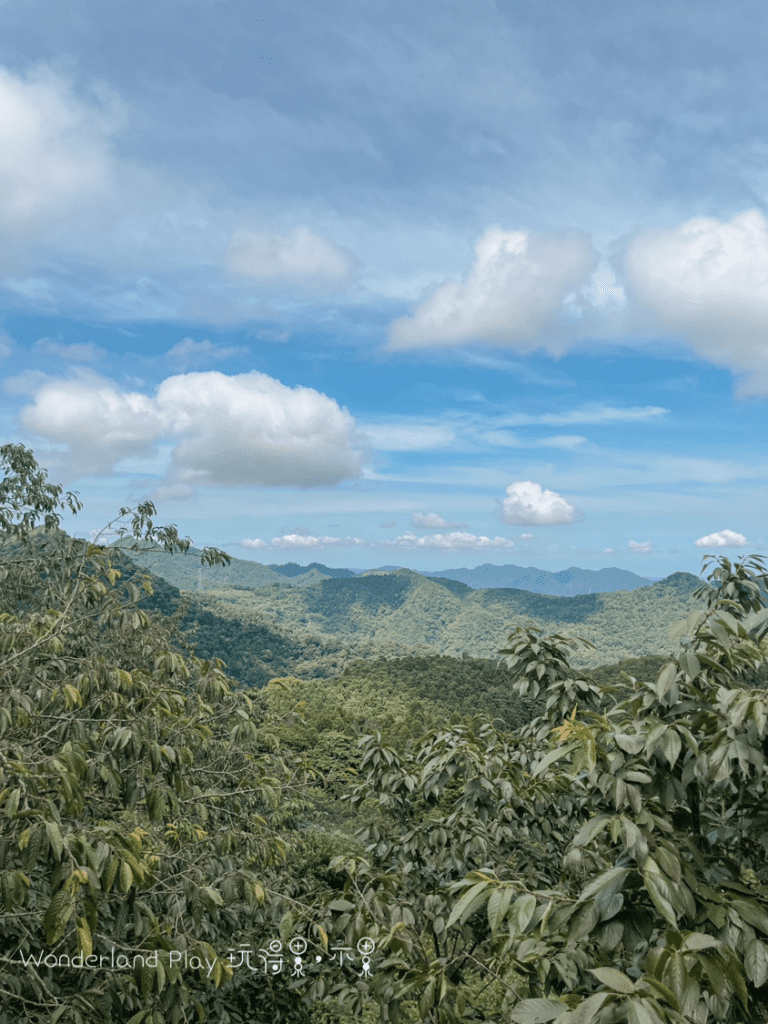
{"type": "Point", "coordinates": [25, 383]}
{"type": "Point", "coordinates": [301, 255]}
{"type": "Point", "coordinates": [644, 545]}
{"type": "Point", "coordinates": [449, 541]}
{"type": "Point", "coordinates": [588, 414]}
{"type": "Point", "coordinates": [428, 521]}
{"type": "Point", "coordinates": [55, 150]}
{"type": "Point", "coordinates": [189, 352]}
{"type": "Point", "coordinates": [608, 551]}
{"type": "Point", "coordinates": [6, 344]}
{"type": "Point", "coordinates": [232, 431]}
{"type": "Point", "coordinates": [707, 281]}
{"type": "Point", "coordinates": [414, 437]}
{"type": "Point", "coordinates": [506, 439]}
{"type": "Point", "coordinates": [526, 536]}
{"type": "Point", "coordinates": [81, 353]}
{"type": "Point", "coordinates": [514, 291]}
{"type": "Point", "coordinates": [303, 541]}
{"type": "Point", "coordinates": [526, 504]}
{"type": "Point", "coordinates": [722, 539]}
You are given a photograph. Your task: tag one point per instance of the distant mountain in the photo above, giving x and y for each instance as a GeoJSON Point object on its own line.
{"type": "Point", "coordinates": [566, 583]}
{"type": "Point", "coordinates": [291, 569]}
{"type": "Point", "coordinates": [184, 572]}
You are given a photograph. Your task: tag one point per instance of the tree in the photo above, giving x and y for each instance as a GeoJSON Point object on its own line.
{"type": "Point", "coordinates": [606, 863]}
{"type": "Point", "coordinates": [142, 797]}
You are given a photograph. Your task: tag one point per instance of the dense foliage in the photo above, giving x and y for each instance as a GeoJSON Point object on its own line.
{"type": "Point", "coordinates": [604, 861]}
{"type": "Point", "coordinates": [402, 613]}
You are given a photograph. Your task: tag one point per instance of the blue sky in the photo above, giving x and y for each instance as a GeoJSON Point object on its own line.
{"type": "Point", "coordinates": [373, 283]}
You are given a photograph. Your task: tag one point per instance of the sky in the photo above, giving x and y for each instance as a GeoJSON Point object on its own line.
{"type": "Point", "coordinates": [369, 283]}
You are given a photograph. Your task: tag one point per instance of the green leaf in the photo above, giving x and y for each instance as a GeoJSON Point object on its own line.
{"type": "Point", "coordinates": [606, 883]}
{"type": "Point", "coordinates": [752, 913]}
{"type": "Point", "coordinates": [698, 940]}
{"type": "Point", "coordinates": [588, 1010]}
{"type": "Point", "coordinates": [551, 757]}
{"type": "Point", "coordinates": [660, 891]}
{"type": "Point", "coordinates": [536, 1011]}
{"type": "Point", "coordinates": [469, 902]}
{"type": "Point", "coordinates": [57, 916]}
{"type": "Point", "coordinates": [643, 1011]}
{"type": "Point", "coordinates": [590, 829]}
{"type": "Point", "coordinates": [498, 904]}
{"type": "Point", "coordinates": [615, 980]}
{"type": "Point", "coordinates": [54, 838]}
{"type": "Point", "coordinates": [341, 904]}
{"type": "Point", "coordinates": [756, 962]}
{"type": "Point", "coordinates": [522, 912]}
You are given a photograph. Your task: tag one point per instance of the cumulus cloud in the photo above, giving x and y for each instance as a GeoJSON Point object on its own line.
{"type": "Point", "coordinates": [431, 521]}
{"type": "Point", "coordinates": [55, 150]}
{"type": "Point", "coordinates": [81, 353]}
{"type": "Point", "coordinates": [449, 541]}
{"type": "Point", "coordinates": [299, 256]}
{"type": "Point", "coordinates": [526, 536]}
{"type": "Point", "coordinates": [707, 281]}
{"type": "Point", "coordinates": [526, 504]}
{"type": "Point", "coordinates": [722, 539]}
{"type": "Point", "coordinates": [189, 352]}
{"type": "Point", "coordinates": [644, 545]}
{"type": "Point", "coordinates": [6, 344]}
{"type": "Point", "coordinates": [515, 290]}
{"type": "Point", "coordinates": [230, 431]}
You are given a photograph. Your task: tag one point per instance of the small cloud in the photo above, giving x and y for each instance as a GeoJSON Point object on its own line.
{"type": "Point", "coordinates": [608, 551]}
{"type": "Point", "coordinates": [639, 545]}
{"type": "Point", "coordinates": [189, 352]}
{"type": "Point", "coordinates": [526, 536]}
{"type": "Point", "coordinates": [390, 524]}
{"type": "Point", "coordinates": [300, 256]}
{"type": "Point", "coordinates": [6, 344]}
{"type": "Point", "coordinates": [254, 544]}
{"type": "Point", "coordinates": [449, 542]}
{"type": "Point", "coordinates": [722, 539]}
{"type": "Point", "coordinates": [527, 504]}
{"type": "Point", "coordinates": [85, 352]}
{"type": "Point", "coordinates": [431, 521]}
{"type": "Point", "coordinates": [272, 334]}
{"type": "Point", "coordinates": [567, 441]}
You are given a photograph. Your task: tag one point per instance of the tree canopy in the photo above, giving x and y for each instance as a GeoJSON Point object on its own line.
{"type": "Point", "coordinates": [605, 861]}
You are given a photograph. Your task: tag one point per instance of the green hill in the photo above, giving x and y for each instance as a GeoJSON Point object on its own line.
{"type": "Point", "coordinates": [405, 612]}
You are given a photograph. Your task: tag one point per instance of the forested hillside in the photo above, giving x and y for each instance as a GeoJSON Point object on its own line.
{"type": "Point", "coordinates": [518, 842]}
{"type": "Point", "coordinates": [403, 612]}
{"type": "Point", "coordinates": [566, 583]}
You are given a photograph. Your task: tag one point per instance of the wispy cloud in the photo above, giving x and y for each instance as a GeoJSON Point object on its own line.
{"type": "Point", "coordinates": [189, 352]}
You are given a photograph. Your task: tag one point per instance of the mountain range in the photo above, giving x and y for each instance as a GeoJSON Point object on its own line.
{"type": "Point", "coordinates": [186, 573]}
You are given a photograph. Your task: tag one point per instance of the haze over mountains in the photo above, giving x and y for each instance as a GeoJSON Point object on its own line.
{"type": "Point", "coordinates": [184, 571]}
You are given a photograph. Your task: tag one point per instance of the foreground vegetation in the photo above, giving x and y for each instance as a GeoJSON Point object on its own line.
{"type": "Point", "coordinates": [560, 846]}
